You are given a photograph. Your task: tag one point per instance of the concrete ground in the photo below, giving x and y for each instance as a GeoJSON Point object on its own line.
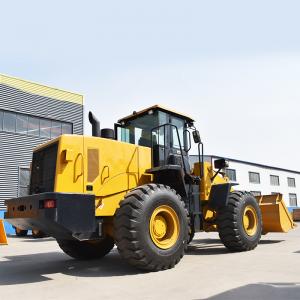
{"type": "Point", "coordinates": [38, 269]}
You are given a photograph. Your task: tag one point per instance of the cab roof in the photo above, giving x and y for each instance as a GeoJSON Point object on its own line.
{"type": "Point", "coordinates": [135, 114]}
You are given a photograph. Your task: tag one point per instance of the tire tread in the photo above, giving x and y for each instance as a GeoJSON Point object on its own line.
{"type": "Point", "coordinates": [131, 208]}
{"type": "Point", "coordinates": [228, 226]}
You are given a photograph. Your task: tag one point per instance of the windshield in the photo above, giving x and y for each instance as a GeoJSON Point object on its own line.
{"type": "Point", "coordinates": [138, 131]}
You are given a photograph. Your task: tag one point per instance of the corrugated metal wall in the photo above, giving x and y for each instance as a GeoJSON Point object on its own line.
{"type": "Point", "coordinates": [16, 149]}
{"type": "Point", "coordinates": [15, 152]}
{"type": "Point", "coordinates": [24, 102]}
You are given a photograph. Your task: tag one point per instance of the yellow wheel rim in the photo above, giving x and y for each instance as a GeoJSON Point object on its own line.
{"type": "Point", "coordinates": [250, 220]}
{"type": "Point", "coordinates": [164, 227]}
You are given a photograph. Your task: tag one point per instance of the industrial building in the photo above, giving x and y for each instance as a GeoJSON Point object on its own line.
{"type": "Point", "coordinates": [30, 114]}
{"type": "Point", "coordinates": [261, 179]}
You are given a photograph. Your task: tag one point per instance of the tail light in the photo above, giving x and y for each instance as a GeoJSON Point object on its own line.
{"type": "Point", "coordinates": [49, 203]}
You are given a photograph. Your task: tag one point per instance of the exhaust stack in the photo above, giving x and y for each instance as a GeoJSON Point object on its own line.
{"type": "Point", "coordinates": [95, 125]}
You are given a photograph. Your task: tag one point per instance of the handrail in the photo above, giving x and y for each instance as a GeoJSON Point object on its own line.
{"type": "Point", "coordinates": [201, 158]}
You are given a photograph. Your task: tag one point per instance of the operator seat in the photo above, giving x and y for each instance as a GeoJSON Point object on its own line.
{"type": "Point", "coordinates": [145, 139]}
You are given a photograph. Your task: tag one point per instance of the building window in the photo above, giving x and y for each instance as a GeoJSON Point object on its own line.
{"type": "Point", "coordinates": [45, 128]}
{"type": "Point", "coordinates": [254, 177]}
{"type": "Point", "coordinates": [22, 124]}
{"type": "Point", "coordinates": [55, 129]}
{"type": "Point", "coordinates": [66, 128]}
{"type": "Point", "coordinates": [1, 120]}
{"type": "Point", "coordinates": [291, 182]}
{"type": "Point", "coordinates": [24, 180]}
{"type": "Point", "coordinates": [274, 180]}
{"type": "Point", "coordinates": [9, 121]}
{"type": "Point", "coordinates": [256, 193]}
{"type": "Point", "coordinates": [34, 126]}
{"type": "Point", "coordinates": [293, 199]}
{"type": "Point", "coordinates": [274, 193]}
{"type": "Point", "coordinates": [231, 174]}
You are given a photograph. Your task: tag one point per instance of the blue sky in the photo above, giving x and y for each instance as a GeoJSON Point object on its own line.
{"type": "Point", "coordinates": [232, 65]}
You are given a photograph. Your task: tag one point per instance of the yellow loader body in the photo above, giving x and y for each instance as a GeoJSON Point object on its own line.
{"type": "Point", "coordinates": [86, 165]}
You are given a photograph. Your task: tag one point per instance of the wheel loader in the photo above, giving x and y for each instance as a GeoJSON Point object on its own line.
{"type": "Point", "coordinates": [134, 187]}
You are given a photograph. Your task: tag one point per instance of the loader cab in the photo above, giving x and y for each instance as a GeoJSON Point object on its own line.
{"type": "Point", "coordinates": [164, 131]}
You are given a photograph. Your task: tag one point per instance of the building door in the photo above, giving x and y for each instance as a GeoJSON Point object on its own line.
{"type": "Point", "coordinates": [24, 180]}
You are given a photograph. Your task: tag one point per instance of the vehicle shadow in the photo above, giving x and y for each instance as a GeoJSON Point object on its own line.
{"type": "Point", "coordinates": [21, 269]}
{"type": "Point", "coordinates": [266, 242]}
{"type": "Point", "coordinates": [271, 291]}
{"type": "Point", "coordinates": [38, 240]}
{"type": "Point", "coordinates": [206, 247]}
{"type": "Point", "coordinates": [215, 246]}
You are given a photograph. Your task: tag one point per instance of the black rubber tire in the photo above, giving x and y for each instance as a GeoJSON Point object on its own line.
{"type": "Point", "coordinates": [131, 227]}
{"type": "Point", "coordinates": [230, 222]}
{"type": "Point", "coordinates": [37, 234]}
{"type": "Point", "coordinates": [86, 250]}
{"type": "Point", "coordinates": [21, 233]}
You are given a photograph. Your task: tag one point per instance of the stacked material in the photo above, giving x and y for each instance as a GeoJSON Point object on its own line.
{"type": "Point", "coordinates": [296, 214]}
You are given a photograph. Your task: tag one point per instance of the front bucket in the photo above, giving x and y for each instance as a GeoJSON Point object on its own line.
{"type": "Point", "coordinates": [3, 239]}
{"type": "Point", "coordinates": [275, 215]}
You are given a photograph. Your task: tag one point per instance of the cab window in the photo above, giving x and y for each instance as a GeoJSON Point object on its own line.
{"type": "Point", "coordinates": [179, 123]}
{"type": "Point", "coordinates": [138, 131]}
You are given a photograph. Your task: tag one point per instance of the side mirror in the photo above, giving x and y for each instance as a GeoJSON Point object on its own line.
{"type": "Point", "coordinates": [196, 137]}
{"type": "Point", "coordinates": [221, 163]}
{"type": "Point", "coordinates": [187, 140]}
